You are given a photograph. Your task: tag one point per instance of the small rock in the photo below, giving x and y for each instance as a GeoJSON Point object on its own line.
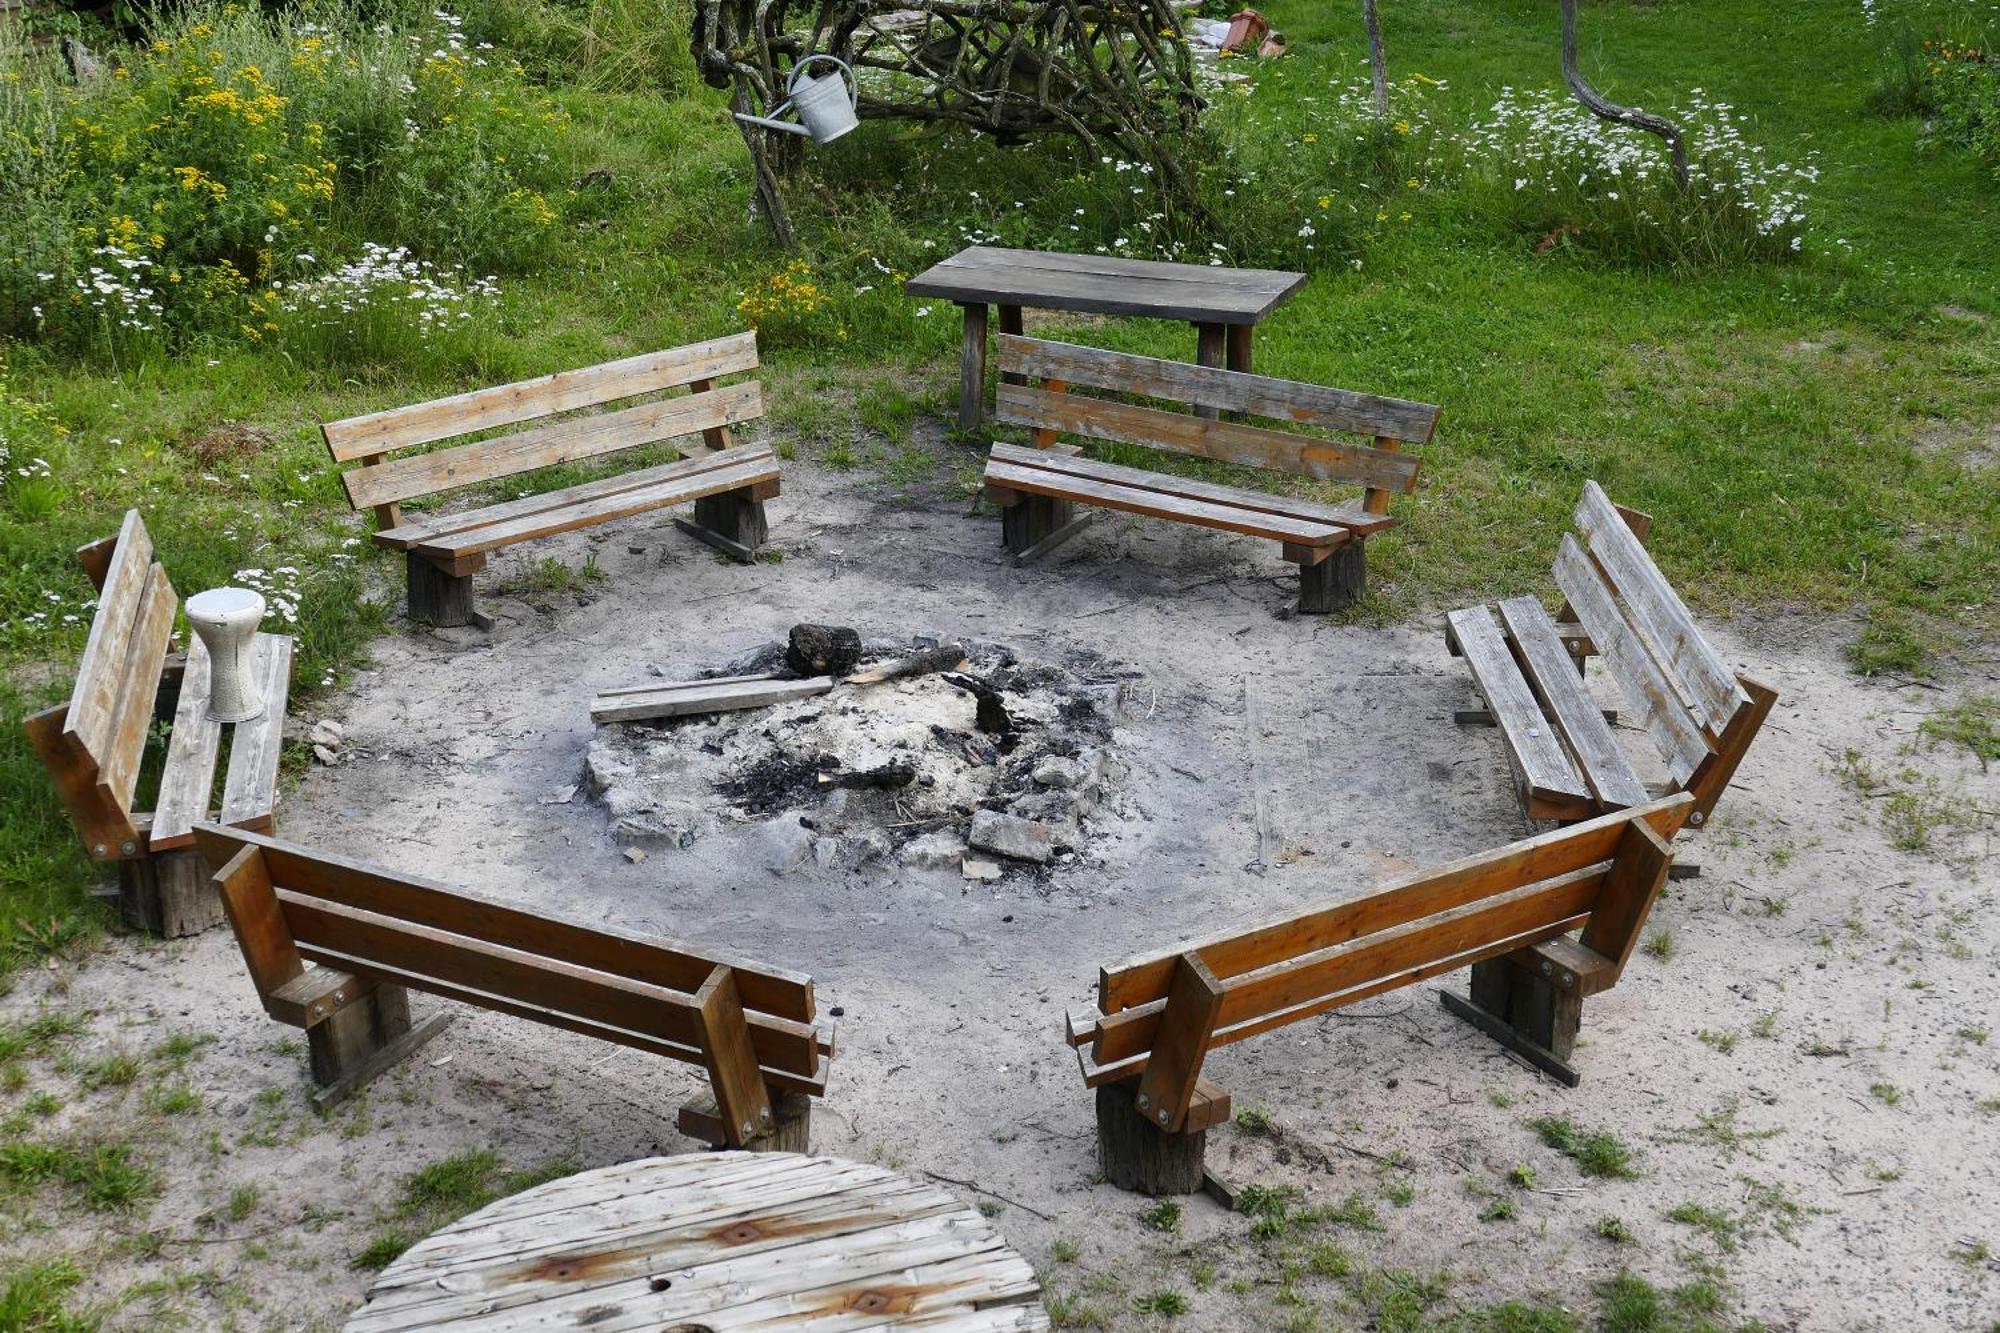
{"type": "Point", "coordinates": [1011, 835]}
{"type": "Point", "coordinates": [1057, 771]}
{"type": "Point", "coordinates": [325, 755]}
{"type": "Point", "coordinates": [635, 855]}
{"type": "Point", "coordinates": [851, 851]}
{"type": "Point", "coordinates": [560, 796]}
{"type": "Point", "coordinates": [327, 733]}
{"type": "Point", "coordinates": [933, 851]}
{"type": "Point", "coordinates": [784, 844]}
{"type": "Point", "coordinates": [974, 867]}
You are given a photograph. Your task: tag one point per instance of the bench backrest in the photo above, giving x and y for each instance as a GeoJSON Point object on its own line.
{"type": "Point", "coordinates": [1171, 1008]}
{"type": "Point", "coordinates": [94, 744]}
{"type": "Point", "coordinates": [1692, 705]}
{"type": "Point", "coordinates": [1050, 409]}
{"type": "Point", "coordinates": [290, 905]}
{"type": "Point", "coordinates": [382, 482]}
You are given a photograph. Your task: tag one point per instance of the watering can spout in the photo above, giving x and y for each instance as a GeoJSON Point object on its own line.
{"type": "Point", "coordinates": [826, 107]}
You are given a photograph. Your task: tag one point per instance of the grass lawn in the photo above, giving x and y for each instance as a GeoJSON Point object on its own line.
{"type": "Point", "coordinates": [1816, 432]}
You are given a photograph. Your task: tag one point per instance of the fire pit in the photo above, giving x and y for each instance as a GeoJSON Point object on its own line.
{"type": "Point", "coordinates": [965, 756]}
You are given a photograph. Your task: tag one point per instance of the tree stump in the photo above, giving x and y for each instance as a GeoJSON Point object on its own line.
{"type": "Point", "coordinates": [1135, 1154]}
{"type": "Point", "coordinates": [169, 894]}
{"type": "Point", "coordinates": [437, 596]}
{"type": "Point", "coordinates": [1335, 583]}
{"type": "Point", "coordinates": [823, 650]}
{"type": "Point", "coordinates": [1027, 522]}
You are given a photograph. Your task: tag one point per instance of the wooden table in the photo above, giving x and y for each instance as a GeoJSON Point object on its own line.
{"type": "Point", "coordinates": [1223, 304]}
{"type": "Point", "coordinates": [713, 1243]}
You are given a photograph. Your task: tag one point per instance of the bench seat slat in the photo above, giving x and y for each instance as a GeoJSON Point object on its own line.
{"type": "Point", "coordinates": [565, 391]}
{"type": "Point", "coordinates": [602, 509]}
{"type": "Point", "coordinates": [187, 782]}
{"type": "Point", "coordinates": [1645, 687]}
{"type": "Point", "coordinates": [553, 983]}
{"type": "Point", "coordinates": [1351, 516]}
{"type": "Point", "coordinates": [562, 441]}
{"type": "Point", "coordinates": [1552, 671]}
{"type": "Point", "coordinates": [1228, 390]}
{"type": "Point", "coordinates": [1559, 852]}
{"type": "Point", "coordinates": [1136, 499]}
{"type": "Point", "coordinates": [250, 791]}
{"type": "Point", "coordinates": [1311, 982]}
{"type": "Point", "coordinates": [1656, 611]}
{"type": "Point", "coordinates": [661, 962]}
{"type": "Point", "coordinates": [414, 532]}
{"type": "Point", "coordinates": [1539, 758]}
{"type": "Point", "coordinates": [1223, 441]}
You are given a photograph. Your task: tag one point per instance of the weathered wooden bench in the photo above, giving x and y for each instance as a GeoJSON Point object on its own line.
{"type": "Point", "coordinates": [1038, 487]}
{"type": "Point", "coordinates": [1529, 669]}
{"type": "Point", "coordinates": [94, 746]}
{"type": "Point", "coordinates": [374, 935]}
{"type": "Point", "coordinates": [443, 551]}
{"type": "Point", "coordinates": [1507, 914]}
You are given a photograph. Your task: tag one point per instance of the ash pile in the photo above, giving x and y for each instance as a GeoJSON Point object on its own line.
{"type": "Point", "coordinates": [843, 752]}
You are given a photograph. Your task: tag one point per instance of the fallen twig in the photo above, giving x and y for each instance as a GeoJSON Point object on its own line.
{"type": "Point", "coordinates": [991, 1194]}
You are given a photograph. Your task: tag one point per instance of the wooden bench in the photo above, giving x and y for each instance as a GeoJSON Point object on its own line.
{"type": "Point", "coordinates": [1507, 914]}
{"type": "Point", "coordinates": [443, 551]}
{"type": "Point", "coordinates": [1037, 487]}
{"type": "Point", "coordinates": [1529, 669]}
{"type": "Point", "coordinates": [94, 746]}
{"type": "Point", "coordinates": [374, 935]}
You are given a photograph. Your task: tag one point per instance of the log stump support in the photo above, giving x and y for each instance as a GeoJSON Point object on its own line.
{"type": "Point", "coordinates": [355, 1042]}
{"type": "Point", "coordinates": [1031, 520]}
{"type": "Point", "coordinates": [441, 593]}
{"type": "Point", "coordinates": [732, 522]}
{"type": "Point", "coordinates": [1524, 1011]}
{"type": "Point", "coordinates": [1135, 1154]}
{"type": "Point", "coordinates": [169, 894]}
{"type": "Point", "coordinates": [1330, 579]}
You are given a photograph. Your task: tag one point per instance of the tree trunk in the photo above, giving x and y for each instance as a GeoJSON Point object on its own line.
{"type": "Point", "coordinates": [1604, 109]}
{"type": "Point", "coordinates": [1377, 62]}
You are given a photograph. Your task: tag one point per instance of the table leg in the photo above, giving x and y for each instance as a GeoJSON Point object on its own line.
{"type": "Point", "coordinates": [1239, 346]}
{"type": "Point", "coordinates": [1208, 351]}
{"type": "Point", "coordinates": [1010, 322]}
{"type": "Point", "coordinates": [972, 367]}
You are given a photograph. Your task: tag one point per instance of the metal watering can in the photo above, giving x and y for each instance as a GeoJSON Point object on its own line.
{"type": "Point", "coordinates": [826, 106]}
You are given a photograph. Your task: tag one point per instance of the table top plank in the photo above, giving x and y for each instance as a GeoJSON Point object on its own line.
{"type": "Point", "coordinates": [722, 1241]}
{"type": "Point", "coordinates": [1107, 285]}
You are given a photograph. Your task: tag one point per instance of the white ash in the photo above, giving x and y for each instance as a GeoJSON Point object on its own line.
{"type": "Point", "coordinates": [799, 769]}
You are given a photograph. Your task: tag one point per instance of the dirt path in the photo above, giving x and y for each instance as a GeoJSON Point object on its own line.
{"type": "Point", "coordinates": [1268, 762]}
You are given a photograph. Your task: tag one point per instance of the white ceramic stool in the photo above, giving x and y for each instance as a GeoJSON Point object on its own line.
{"type": "Point", "coordinates": [226, 619]}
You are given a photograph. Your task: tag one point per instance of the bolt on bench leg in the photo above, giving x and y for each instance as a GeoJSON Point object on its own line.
{"type": "Point", "coordinates": [438, 596]}
{"type": "Point", "coordinates": [732, 522]}
{"type": "Point", "coordinates": [1525, 1012]}
{"type": "Point", "coordinates": [169, 894]}
{"type": "Point", "coordinates": [1335, 582]}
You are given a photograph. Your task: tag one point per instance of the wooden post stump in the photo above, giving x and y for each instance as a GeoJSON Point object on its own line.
{"type": "Point", "coordinates": [340, 1046]}
{"type": "Point", "coordinates": [438, 596]}
{"type": "Point", "coordinates": [1335, 582]}
{"type": "Point", "coordinates": [1136, 1154]}
{"type": "Point", "coordinates": [972, 367]}
{"type": "Point", "coordinates": [791, 1125]}
{"type": "Point", "coordinates": [1524, 1011]}
{"type": "Point", "coordinates": [1035, 518]}
{"type": "Point", "coordinates": [169, 894]}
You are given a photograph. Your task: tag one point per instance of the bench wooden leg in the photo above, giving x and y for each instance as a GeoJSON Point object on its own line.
{"type": "Point", "coordinates": [972, 367]}
{"type": "Point", "coordinates": [1035, 519]}
{"type": "Point", "coordinates": [169, 894]}
{"type": "Point", "coordinates": [1524, 1012]}
{"type": "Point", "coordinates": [1135, 1154]}
{"type": "Point", "coordinates": [349, 1047]}
{"type": "Point", "coordinates": [791, 1124]}
{"type": "Point", "coordinates": [1210, 348]}
{"type": "Point", "coordinates": [732, 522]}
{"type": "Point", "coordinates": [438, 596]}
{"type": "Point", "coordinates": [1336, 582]}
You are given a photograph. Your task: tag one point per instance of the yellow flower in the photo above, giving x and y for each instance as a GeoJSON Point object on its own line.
{"type": "Point", "coordinates": [1326, 201]}
{"type": "Point", "coordinates": [1312, 138]}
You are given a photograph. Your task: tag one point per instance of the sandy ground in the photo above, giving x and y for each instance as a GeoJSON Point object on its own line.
{"type": "Point", "coordinates": [1874, 963]}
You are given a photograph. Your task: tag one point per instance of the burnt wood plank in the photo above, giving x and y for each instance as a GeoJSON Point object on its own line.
{"type": "Point", "coordinates": [1552, 672]}
{"type": "Point", "coordinates": [1224, 441]}
{"type": "Point", "coordinates": [1350, 517]}
{"type": "Point", "coordinates": [1158, 504]}
{"type": "Point", "coordinates": [1538, 757]}
{"type": "Point", "coordinates": [1699, 675]}
{"type": "Point", "coordinates": [563, 441]}
{"type": "Point", "coordinates": [1230, 390]}
{"type": "Point", "coordinates": [1681, 742]}
{"type": "Point", "coordinates": [564, 391]}
{"type": "Point", "coordinates": [1422, 893]}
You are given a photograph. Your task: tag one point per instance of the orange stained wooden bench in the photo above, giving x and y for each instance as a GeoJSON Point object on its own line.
{"type": "Point", "coordinates": [1037, 488]}
{"type": "Point", "coordinates": [442, 551]}
{"type": "Point", "coordinates": [1699, 714]}
{"type": "Point", "coordinates": [95, 745]}
{"type": "Point", "coordinates": [1508, 914]}
{"type": "Point", "coordinates": [334, 946]}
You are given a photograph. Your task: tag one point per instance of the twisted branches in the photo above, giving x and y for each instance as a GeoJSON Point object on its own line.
{"type": "Point", "coordinates": [1605, 109]}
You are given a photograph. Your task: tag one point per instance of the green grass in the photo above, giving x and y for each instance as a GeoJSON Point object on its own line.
{"type": "Point", "coordinates": [1595, 1152]}
{"type": "Point", "coordinates": [34, 1298]}
{"type": "Point", "coordinates": [446, 1190]}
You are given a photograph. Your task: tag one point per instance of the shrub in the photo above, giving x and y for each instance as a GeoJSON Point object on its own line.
{"type": "Point", "coordinates": [1959, 89]}
{"type": "Point", "coordinates": [1549, 168]}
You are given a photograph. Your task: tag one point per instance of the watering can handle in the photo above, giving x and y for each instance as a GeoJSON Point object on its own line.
{"type": "Point", "coordinates": [853, 85]}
